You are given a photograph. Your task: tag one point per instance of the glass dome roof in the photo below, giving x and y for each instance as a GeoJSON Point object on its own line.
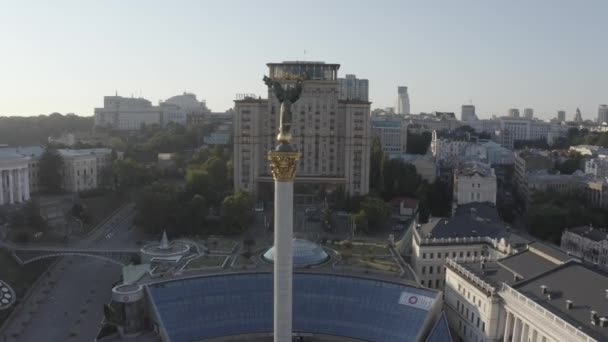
{"type": "Point", "coordinates": [305, 253]}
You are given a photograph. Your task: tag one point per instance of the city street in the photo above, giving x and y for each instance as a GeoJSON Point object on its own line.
{"type": "Point", "coordinates": [67, 303]}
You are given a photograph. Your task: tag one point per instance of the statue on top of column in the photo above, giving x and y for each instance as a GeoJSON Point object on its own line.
{"type": "Point", "coordinates": [286, 96]}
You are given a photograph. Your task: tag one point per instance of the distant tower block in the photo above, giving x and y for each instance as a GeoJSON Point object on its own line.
{"type": "Point", "coordinates": [578, 117]}
{"type": "Point", "coordinates": [602, 114]}
{"type": "Point", "coordinates": [528, 113]}
{"type": "Point", "coordinates": [468, 113]}
{"type": "Point", "coordinates": [513, 113]}
{"type": "Point", "coordinates": [403, 101]}
{"type": "Point", "coordinates": [561, 115]}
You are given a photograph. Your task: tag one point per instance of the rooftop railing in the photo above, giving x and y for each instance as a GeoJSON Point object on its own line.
{"type": "Point", "coordinates": [453, 264]}
{"type": "Point", "coordinates": [511, 293]}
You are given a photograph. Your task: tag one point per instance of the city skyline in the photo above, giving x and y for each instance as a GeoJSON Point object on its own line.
{"type": "Point", "coordinates": [543, 56]}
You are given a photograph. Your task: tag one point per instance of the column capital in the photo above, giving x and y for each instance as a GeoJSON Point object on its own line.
{"type": "Point", "coordinates": [283, 165]}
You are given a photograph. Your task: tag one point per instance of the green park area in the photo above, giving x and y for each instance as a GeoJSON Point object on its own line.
{"type": "Point", "coordinates": [364, 255]}
{"type": "Point", "coordinates": [20, 278]}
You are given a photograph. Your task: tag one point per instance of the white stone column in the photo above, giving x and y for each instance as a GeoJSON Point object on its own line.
{"type": "Point", "coordinates": [26, 183]}
{"type": "Point", "coordinates": [508, 324]}
{"type": "Point", "coordinates": [283, 166]}
{"type": "Point", "coordinates": [283, 260]}
{"type": "Point", "coordinates": [517, 329]}
{"type": "Point", "coordinates": [1, 187]}
{"type": "Point", "coordinates": [524, 332]}
{"type": "Point", "coordinates": [534, 335]}
{"type": "Point", "coordinates": [19, 186]}
{"type": "Point", "coordinates": [11, 185]}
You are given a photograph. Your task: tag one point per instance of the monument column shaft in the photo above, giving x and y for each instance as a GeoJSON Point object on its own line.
{"type": "Point", "coordinates": [283, 260]}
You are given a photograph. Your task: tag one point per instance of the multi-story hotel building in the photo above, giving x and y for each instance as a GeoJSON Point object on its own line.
{"type": "Point", "coordinates": [333, 135]}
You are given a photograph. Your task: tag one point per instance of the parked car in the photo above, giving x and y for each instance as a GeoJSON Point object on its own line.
{"type": "Point", "coordinates": [259, 207]}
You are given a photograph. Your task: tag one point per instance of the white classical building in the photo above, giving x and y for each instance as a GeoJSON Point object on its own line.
{"type": "Point", "coordinates": [448, 151]}
{"type": "Point", "coordinates": [14, 178]}
{"type": "Point", "coordinates": [474, 182]}
{"type": "Point", "coordinates": [524, 129]}
{"type": "Point", "coordinates": [587, 243]}
{"type": "Point", "coordinates": [474, 231]}
{"type": "Point", "coordinates": [597, 166]}
{"type": "Point", "coordinates": [540, 294]}
{"type": "Point", "coordinates": [20, 170]}
{"type": "Point", "coordinates": [82, 168]}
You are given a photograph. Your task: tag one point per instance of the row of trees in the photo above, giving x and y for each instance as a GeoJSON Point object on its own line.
{"type": "Point", "coordinates": [551, 212]}
{"type": "Point", "coordinates": [204, 205]}
{"type": "Point", "coordinates": [145, 144]}
{"type": "Point", "coordinates": [390, 178]}
{"type": "Point", "coordinates": [35, 130]}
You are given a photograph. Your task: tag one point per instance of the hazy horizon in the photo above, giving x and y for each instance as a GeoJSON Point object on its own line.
{"type": "Point", "coordinates": [547, 55]}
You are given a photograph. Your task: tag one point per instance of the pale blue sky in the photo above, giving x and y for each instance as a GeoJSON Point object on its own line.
{"type": "Point", "coordinates": [66, 55]}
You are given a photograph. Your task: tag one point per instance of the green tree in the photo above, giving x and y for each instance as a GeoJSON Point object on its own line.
{"type": "Point", "coordinates": [418, 143]}
{"type": "Point", "coordinates": [361, 221]}
{"type": "Point", "coordinates": [375, 165]}
{"type": "Point", "coordinates": [35, 130]}
{"type": "Point", "coordinates": [570, 165]}
{"type": "Point", "coordinates": [155, 208]}
{"type": "Point", "coordinates": [51, 171]}
{"type": "Point", "coordinates": [236, 212]}
{"type": "Point", "coordinates": [400, 179]}
{"type": "Point", "coordinates": [129, 173]}
{"type": "Point", "coordinates": [201, 156]}
{"type": "Point", "coordinates": [116, 143]}
{"type": "Point", "coordinates": [377, 211]}
{"type": "Point", "coordinates": [191, 216]}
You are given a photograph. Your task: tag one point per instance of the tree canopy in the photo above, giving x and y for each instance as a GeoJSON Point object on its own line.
{"type": "Point", "coordinates": [35, 130]}
{"type": "Point", "coordinates": [237, 212]}
{"type": "Point", "coordinates": [552, 212]}
{"type": "Point", "coordinates": [418, 143]}
{"type": "Point", "coordinates": [51, 171]}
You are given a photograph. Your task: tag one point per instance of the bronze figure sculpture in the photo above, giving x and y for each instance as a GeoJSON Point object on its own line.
{"type": "Point", "coordinates": [286, 96]}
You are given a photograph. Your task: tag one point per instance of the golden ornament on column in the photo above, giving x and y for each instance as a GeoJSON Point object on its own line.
{"type": "Point", "coordinates": [283, 165]}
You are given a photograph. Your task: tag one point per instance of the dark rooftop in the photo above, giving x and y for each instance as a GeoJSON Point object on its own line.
{"type": "Point", "coordinates": [470, 220]}
{"type": "Point", "coordinates": [523, 265]}
{"type": "Point", "coordinates": [473, 167]}
{"type": "Point", "coordinates": [549, 251]}
{"type": "Point", "coordinates": [584, 286]}
{"type": "Point", "coordinates": [527, 264]}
